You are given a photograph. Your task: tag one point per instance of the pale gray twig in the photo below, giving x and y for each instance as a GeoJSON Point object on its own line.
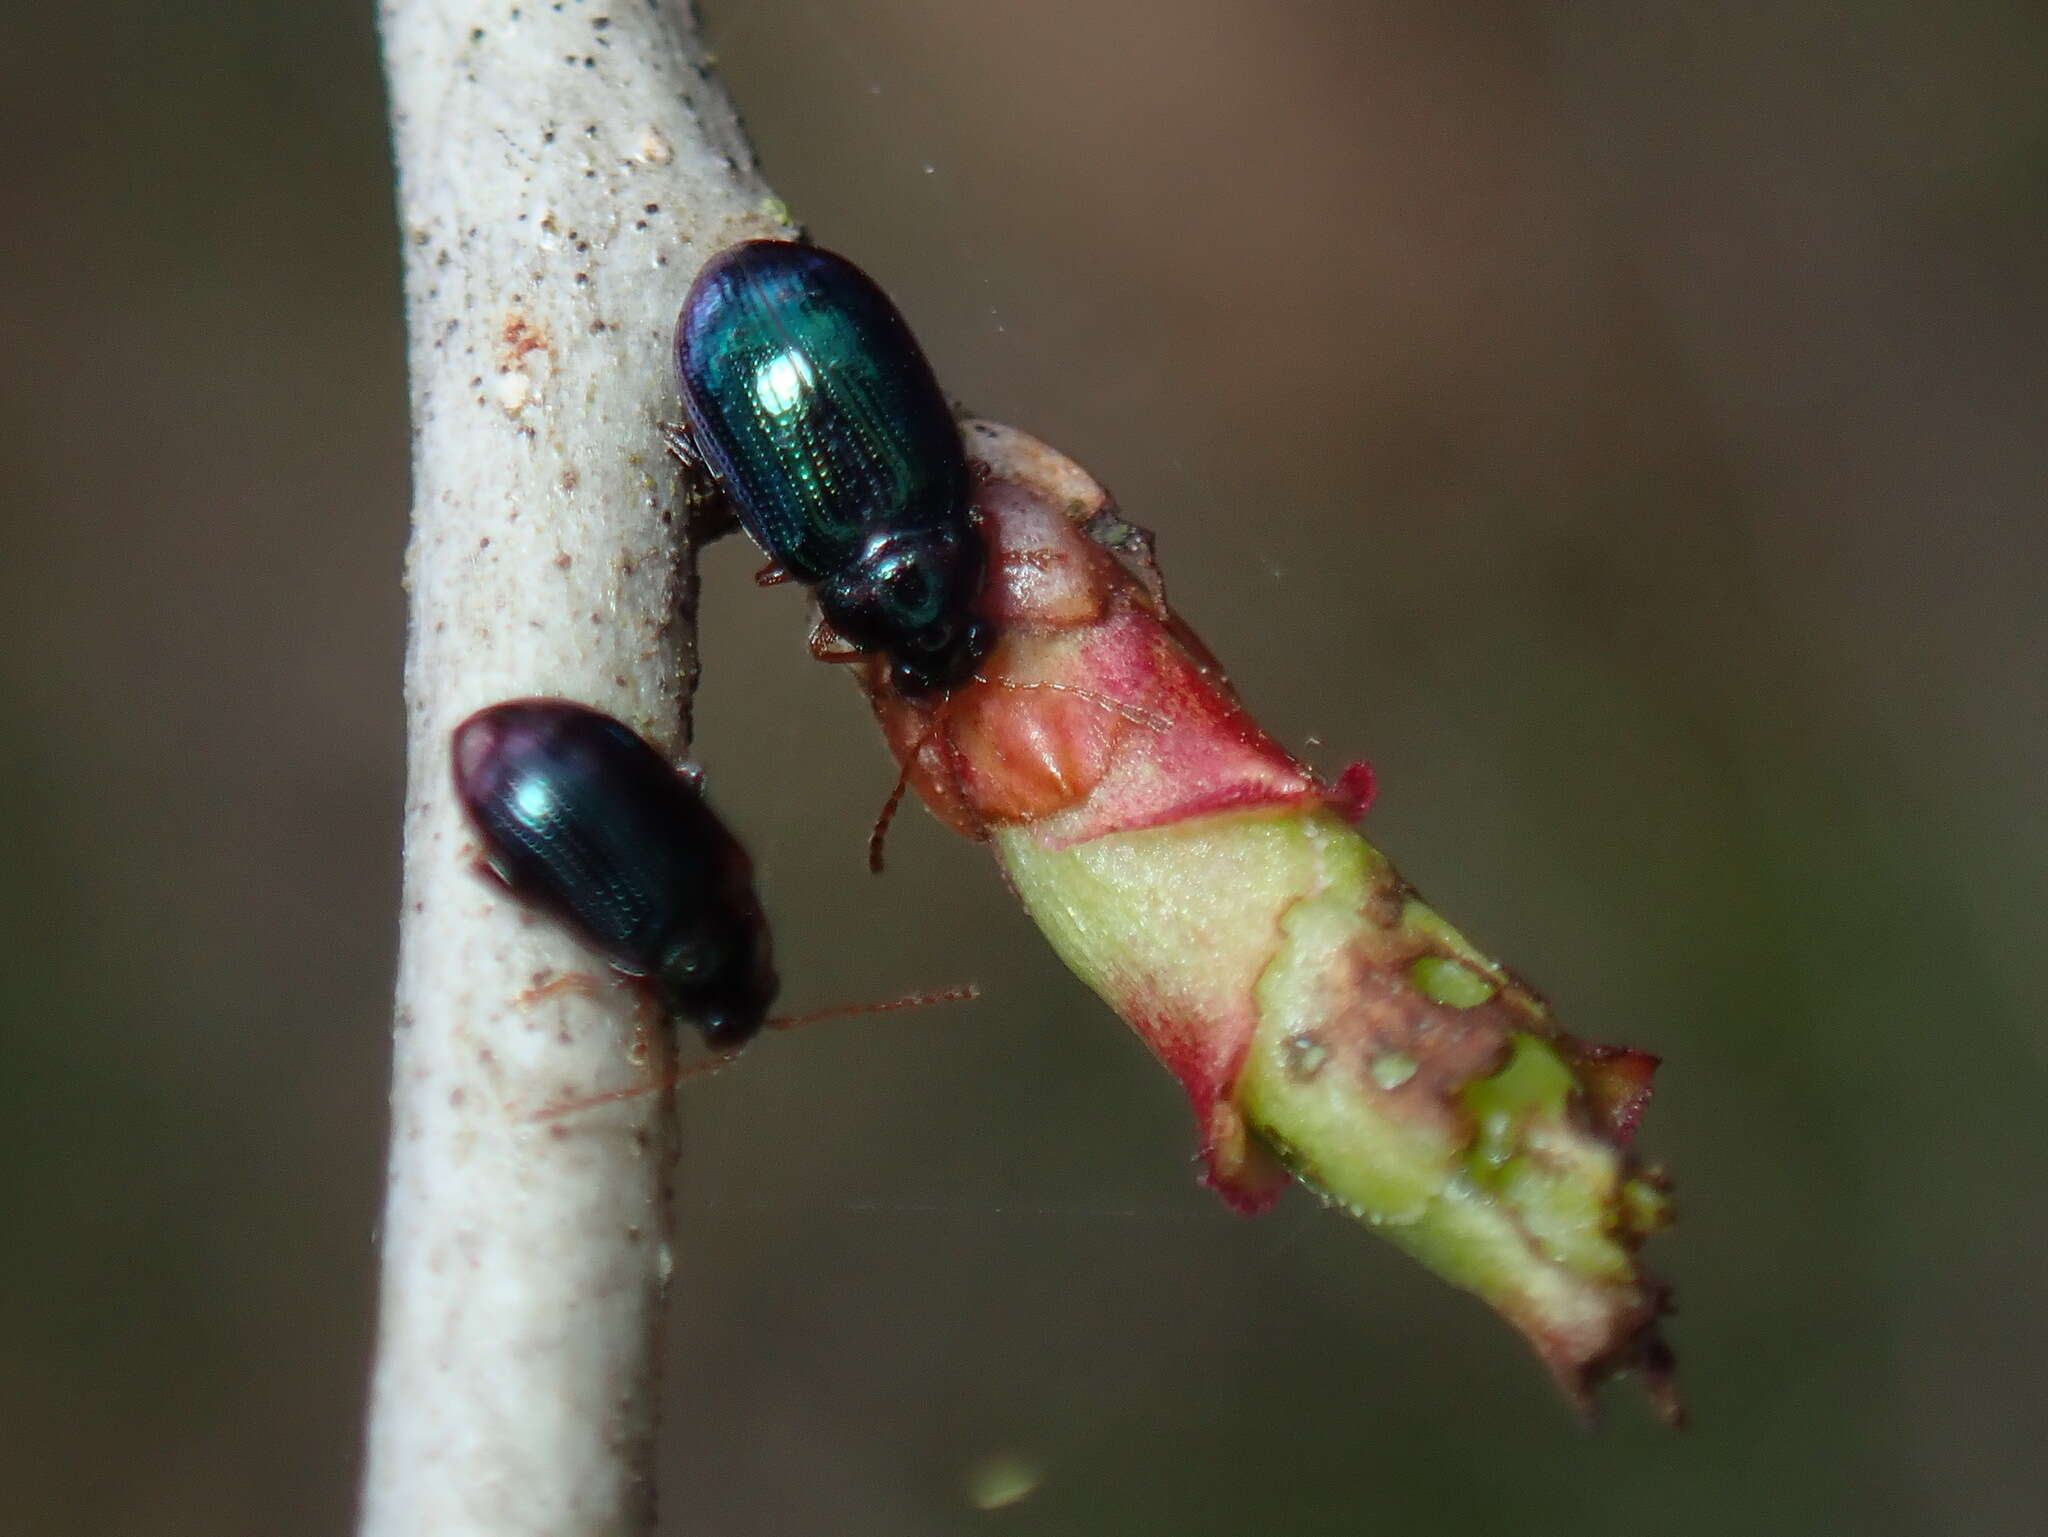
{"type": "Point", "coordinates": [563, 170]}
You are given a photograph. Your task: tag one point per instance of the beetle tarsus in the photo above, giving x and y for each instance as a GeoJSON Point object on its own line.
{"type": "Point", "coordinates": [826, 646]}
{"type": "Point", "coordinates": [581, 983]}
{"type": "Point", "coordinates": [675, 437]}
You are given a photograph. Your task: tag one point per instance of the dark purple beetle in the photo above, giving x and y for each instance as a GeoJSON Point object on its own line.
{"type": "Point", "coordinates": [584, 821]}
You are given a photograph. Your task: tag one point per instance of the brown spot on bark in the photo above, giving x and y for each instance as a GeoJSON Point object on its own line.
{"type": "Point", "coordinates": [519, 337]}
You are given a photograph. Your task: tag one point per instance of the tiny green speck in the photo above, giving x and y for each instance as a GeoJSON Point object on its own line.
{"type": "Point", "coordinates": [1000, 1479]}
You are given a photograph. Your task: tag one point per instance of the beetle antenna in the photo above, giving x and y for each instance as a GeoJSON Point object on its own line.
{"type": "Point", "coordinates": [966, 992]}
{"type": "Point", "coordinates": [879, 834]}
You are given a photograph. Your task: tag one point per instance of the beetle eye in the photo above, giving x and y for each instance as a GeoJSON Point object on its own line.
{"type": "Point", "coordinates": [909, 588]}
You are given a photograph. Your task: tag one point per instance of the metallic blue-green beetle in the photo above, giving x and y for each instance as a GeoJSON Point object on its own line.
{"type": "Point", "coordinates": [810, 402]}
{"type": "Point", "coordinates": [586, 822]}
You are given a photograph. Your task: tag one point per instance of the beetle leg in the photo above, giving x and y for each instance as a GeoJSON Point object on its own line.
{"type": "Point", "coordinates": [581, 982]}
{"type": "Point", "coordinates": [660, 1083]}
{"type": "Point", "coordinates": [652, 1042]}
{"type": "Point", "coordinates": [707, 513]}
{"type": "Point", "coordinates": [826, 646]}
{"type": "Point", "coordinates": [771, 575]}
{"type": "Point", "coordinates": [483, 869]}
{"type": "Point", "coordinates": [675, 437]}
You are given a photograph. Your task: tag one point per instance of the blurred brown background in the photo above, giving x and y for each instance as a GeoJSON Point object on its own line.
{"type": "Point", "coordinates": [1622, 423]}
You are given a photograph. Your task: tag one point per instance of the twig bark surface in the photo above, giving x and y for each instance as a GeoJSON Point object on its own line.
{"type": "Point", "coordinates": [563, 170]}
